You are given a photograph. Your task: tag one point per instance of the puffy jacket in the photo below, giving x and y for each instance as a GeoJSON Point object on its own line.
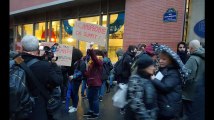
{"type": "Point", "coordinates": [142, 99]}
{"type": "Point", "coordinates": [94, 73]}
{"type": "Point", "coordinates": [169, 92]}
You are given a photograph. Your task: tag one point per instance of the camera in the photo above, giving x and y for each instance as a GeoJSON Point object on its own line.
{"type": "Point", "coordinates": [49, 52]}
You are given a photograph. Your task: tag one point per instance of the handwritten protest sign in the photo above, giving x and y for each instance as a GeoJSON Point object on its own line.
{"type": "Point", "coordinates": [63, 52]}
{"type": "Point", "coordinates": [90, 33]}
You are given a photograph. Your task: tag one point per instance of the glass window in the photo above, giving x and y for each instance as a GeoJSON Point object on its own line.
{"type": "Point", "coordinates": [55, 31]}
{"type": "Point", "coordinates": [40, 31]}
{"type": "Point", "coordinates": [82, 44]}
{"type": "Point", "coordinates": [67, 28]}
{"type": "Point", "coordinates": [28, 29]}
{"type": "Point", "coordinates": [18, 33]}
{"type": "Point", "coordinates": [116, 30]}
{"type": "Point", "coordinates": [18, 46]}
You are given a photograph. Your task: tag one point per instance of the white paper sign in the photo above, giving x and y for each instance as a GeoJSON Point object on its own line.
{"type": "Point", "coordinates": [159, 76]}
{"type": "Point", "coordinates": [63, 52]}
{"type": "Point", "coordinates": [90, 33]}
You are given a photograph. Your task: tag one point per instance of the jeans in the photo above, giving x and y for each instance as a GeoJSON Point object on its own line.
{"type": "Point", "coordinates": [84, 88]}
{"type": "Point", "coordinates": [93, 99]}
{"type": "Point", "coordinates": [111, 78]}
{"type": "Point", "coordinates": [75, 98]}
{"type": "Point", "coordinates": [102, 89]}
{"type": "Point", "coordinates": [68, 95]}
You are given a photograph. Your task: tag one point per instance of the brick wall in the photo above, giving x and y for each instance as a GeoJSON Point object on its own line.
{"type": "Point", "coordinates": [144, 22]}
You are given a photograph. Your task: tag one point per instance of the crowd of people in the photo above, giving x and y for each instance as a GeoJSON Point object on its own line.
{"type": "Point", "coordinates": [162, 84]}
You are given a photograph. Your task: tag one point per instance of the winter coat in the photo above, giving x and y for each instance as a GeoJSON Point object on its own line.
{"type": "Point", "coordinates": [79, 71]}
{"type": "Point", "coordinates": [128, 59]}
{"type": "Point", "coordinates": [49, 75]}
{"type": "Point", "coordinates": [169, 92]}
{"type": "Point", "coordinates": [184, 56]}
{"type": "Point", "coordinates": [94, 72]}
{"type": "Point", "coordinates": [196, 64]}
{"type": "Point", "coordinates": [142, 99]}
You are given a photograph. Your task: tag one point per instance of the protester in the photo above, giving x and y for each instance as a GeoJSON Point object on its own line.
{"type": "Point", "coordinates": [141, 95]}
{"type": "Point", "coordinates": [168, 84]}
{"type": "Point", "coordinates": [194, 89]}
{"type": "Point", "coordinates": [94, 83]}
{"type": "Point", "coordinates": [47, 72]}
{"type": "Point", "coordinates": [182, 51]}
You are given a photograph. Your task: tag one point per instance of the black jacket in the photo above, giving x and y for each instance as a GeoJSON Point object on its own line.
{"type": "Point", "coordinates": [141, 98]}
{"type": "Point", "coordinates": [127, 63]}
{"type": "Point", "coordinates": [169, 92]}
{"type": "Point", "coordinates": [49, 75]}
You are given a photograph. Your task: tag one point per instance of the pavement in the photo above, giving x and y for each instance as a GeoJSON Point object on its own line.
{"type": "Point", "coordinates": [107, 110]}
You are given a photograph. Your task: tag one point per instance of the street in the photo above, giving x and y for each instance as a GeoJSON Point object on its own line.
{"type": "Point", "coordinates": [107, 110]}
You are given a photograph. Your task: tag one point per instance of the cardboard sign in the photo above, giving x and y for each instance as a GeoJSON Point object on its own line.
{"type": "Point", "coordinates": [63, 52]}
{"type": "Point", "coordinates": [90, 33]}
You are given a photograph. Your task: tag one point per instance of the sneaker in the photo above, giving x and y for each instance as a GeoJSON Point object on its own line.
{"type": "Point", "coordinates": [71, 107]}
{"type": "Point", "coordinates": [63, 102]}
{"type": "Point", "coordinates": [88, 114]}
{"type": "Point", "coordinates": [101, 99]}
{"type": "Point", "coordinates": [72, 110]}
{"type": "Point", "coordinates": [122, 111]}
{"type": "Point", "coordinates": [93, 116]}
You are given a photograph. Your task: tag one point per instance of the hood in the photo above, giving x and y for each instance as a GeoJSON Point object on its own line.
{"type": "Point", "coordinates": [200, 52]}
{"type": "Point", "coordinates": [182, 69]}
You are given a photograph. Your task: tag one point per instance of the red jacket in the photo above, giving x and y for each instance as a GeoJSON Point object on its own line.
{"type": "Point", "coordinates": [94, 72]}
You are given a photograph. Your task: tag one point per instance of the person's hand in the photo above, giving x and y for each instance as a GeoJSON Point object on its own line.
{"type": "Point", "coordinates": [71, 77]}
{"type": "Point", "coordinates": [152, 77]}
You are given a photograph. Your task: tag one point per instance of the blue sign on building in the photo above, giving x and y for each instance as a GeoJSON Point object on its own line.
{"type": "Point", "coordinates": [170, 15]}
{"type": "Point", "coordinates": [199, 28]}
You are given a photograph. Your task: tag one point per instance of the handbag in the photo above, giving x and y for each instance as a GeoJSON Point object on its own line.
{"type": "Point", "coordinates": [119, 98]}
{"type": "Point", "coordinates": [52, 98]}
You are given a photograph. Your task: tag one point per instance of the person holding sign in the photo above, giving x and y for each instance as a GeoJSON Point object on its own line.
{"type": "Point", "coordinates": [94, 83]}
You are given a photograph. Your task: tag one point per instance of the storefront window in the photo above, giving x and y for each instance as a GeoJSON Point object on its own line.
{"type": "Point", "coordinates": [82, 44]}
{"type": "Point", "coordinates": [28, 29]}
{"type": "Point", "coordinates": [116, 30]}
{"type": "Point", "coordinates": [18, 46]}
{"type": "Point", "coordinates": [55, 31]}
{"type": "Point", "coordinates": [67, 29]}
{"type": "Point", "coordinates": [40, 31]}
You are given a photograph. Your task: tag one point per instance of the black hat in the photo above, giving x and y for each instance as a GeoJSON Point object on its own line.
{"type": "Point", "coordinates": [144, 61]}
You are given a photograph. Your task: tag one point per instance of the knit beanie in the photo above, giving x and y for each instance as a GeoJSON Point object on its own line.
{"type": "Point", "coordinates": [144, 61]}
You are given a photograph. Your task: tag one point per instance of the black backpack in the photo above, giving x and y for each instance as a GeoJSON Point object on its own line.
{"type": "Point", "coordinates": [107, 67]}
{"type": "Point", "coordinates": [118, 67]}
{"type": "Point", "coordinates": [21, 102]}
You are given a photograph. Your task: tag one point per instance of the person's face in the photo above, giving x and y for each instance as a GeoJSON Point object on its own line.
{"type": "Point", "coordinates": [181, 47]}
{"type": "Point", "coordinates": [164, 60]}
{"type": "Point", "coordinates": [150, 70]}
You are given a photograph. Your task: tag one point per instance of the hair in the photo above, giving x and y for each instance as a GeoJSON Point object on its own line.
{"type": "Point", "coordinates": [171, 59]}
{"type": "Point", "coordinates": [131, 47]}
{"type": "Point", "coordinates": [139, 46]}
{"type": "Point", "coordinates": [195, 44]}
{"type": "Point", "coordinates": [183, 43]}
{"type": "Point", "coordinates": [30, 43]}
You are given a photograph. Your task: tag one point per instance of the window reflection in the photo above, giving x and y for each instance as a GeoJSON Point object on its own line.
{"type": "Point", "coordinates": [116, 30]}
{"type": "Point", "coordinates": [28, 29]}
{"type": "Point", "coordinates": [67, 29]}
{"type": "Point", "coordinates": [40, 31]}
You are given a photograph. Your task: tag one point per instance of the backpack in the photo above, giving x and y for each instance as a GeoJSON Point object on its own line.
{"type": "Point", "coordinates": [107, 67]}
{"type": "Point", "coordinates": [21, 102]}
{"type": "Point", "coordinates": [118, 67]}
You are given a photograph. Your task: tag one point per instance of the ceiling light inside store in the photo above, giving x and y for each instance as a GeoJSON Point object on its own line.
{"type": "Point", "coordinates": [70, 39]}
